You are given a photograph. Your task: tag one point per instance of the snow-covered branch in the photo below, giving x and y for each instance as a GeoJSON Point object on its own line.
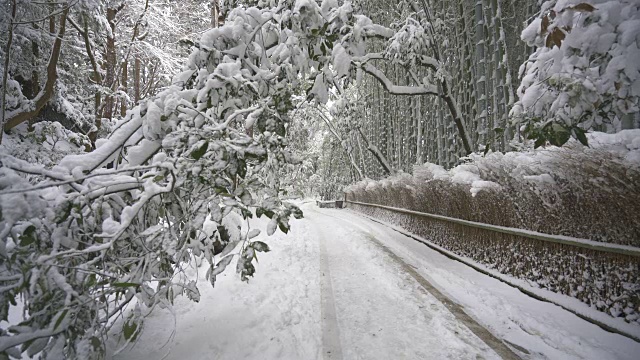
{"type": "Point", "coordinates": [425, 89]}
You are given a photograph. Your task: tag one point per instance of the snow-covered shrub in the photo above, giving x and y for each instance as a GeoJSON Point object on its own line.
{"type": "Point", "coordinates": [14, 97]}
{"type": "Point", "coordinates": [46, 144]}
{"type": "Point", "coordinates": [585, 72]}
{"type": "Point", "coordinates": [583, 192]}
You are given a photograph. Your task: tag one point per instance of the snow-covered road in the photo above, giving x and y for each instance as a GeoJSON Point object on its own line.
{"type": "Point", "coordinates": [340, 286]}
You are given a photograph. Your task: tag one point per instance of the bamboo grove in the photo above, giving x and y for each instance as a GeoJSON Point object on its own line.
{"type": "Point", "coordinates": [478, 41]}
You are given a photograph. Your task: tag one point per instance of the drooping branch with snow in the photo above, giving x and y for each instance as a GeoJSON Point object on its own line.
{"type": "Point", "coordinates": [121, 222]}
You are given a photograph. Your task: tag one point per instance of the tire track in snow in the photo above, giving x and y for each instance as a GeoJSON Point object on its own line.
{"type": "Point", "coordinates": [331, 348]}
{"type": "Point", "coordinates": [480, 331]}
{"type": "Point", "coordinates": [456, 309]}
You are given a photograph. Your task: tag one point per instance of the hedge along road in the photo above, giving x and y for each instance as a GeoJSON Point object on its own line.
{"type": "Point", "coordinates": [340, 286]}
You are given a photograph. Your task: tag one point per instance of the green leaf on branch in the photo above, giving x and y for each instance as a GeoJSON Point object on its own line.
{"type": "Point", "coordinates": [260, 246]}
{"type": "Point", "coordinates": [222, 191]}
{"type": "Point", "coordinates": [125, 284]}
{"type": "Point", "coordinates": [580, 135]}
{"type": "Point", "coordinates": [242, 168]}
{"type": "Point", "coordinates": [130, 330]}
{"type": "Point", "coordinates": [262, 211]}
{"type": "Point", "coordinates": [199, 152]}
{"type": "Point", "coordinates": [28, 236]}
{"type": "Point", "coordinates": [60, 318]}
{"type": "Point", "coordinates": [96, 343]}
{"type": "Point", "coordinates": [63, 212]}
{"type": "Point", "coordinates": [246, 213]}
{"type": "Point", "coordinates": [225, 237]}
{"type": "Point", "coordinates": [560, 136]}
{"type": "Point", "coordinates": [284, 226]}
{"type": "Point", "coordinates": [247, 271]}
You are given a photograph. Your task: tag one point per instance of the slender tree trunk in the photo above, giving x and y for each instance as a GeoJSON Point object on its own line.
{"type": "Point", "coordinates": [481, 74]}
{"type": "Point", "coordinates": [7, 59]}
{"type": "Point", "coordinates": [52, 19]}
{"type": "Point", "coordinates": [440, 133]}
{"type": "Point", "coordinates": [507, 92]}
{"type": "Point", "coordinates": [110, 58]}
{"type": "Point", "coordinates": [136, 79]}
{"type": "Point", "coordinates": [35, 78]}
{"type": "Point", "coordinates": [125, 85]}
{"type": "Point", "coordinates": [95, 77]}
{"type": "Point", "coordinates": [364, 165]}
{"type": "Point", "coordinates": [417, 114]}
{"type": "Point", "coordinates": [215, 13]}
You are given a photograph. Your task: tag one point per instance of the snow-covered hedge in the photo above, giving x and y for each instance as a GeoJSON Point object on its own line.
{"type": "Point", "coordinates": [584, 192]}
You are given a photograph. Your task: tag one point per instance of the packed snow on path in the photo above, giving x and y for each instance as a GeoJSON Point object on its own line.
{"type": "Point", "coordinates": [274, 316]}
{"type": "Point", "coordinates": [367, 308]}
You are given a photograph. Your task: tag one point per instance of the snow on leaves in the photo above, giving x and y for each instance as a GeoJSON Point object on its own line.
{"type": "Point", "coordinates": [176, 177]}
{"type": "Point", "coordinates": [584, 73]}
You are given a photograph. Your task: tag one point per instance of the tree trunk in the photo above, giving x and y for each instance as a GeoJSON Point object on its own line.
{"type": "Point", "coordinates": [110, 58]}
{"type": "Point", "coordinates": [52, 76]}
{"type": "Point", "coordinates": [6, 65]}
{"type": "Point", "coordinates": [125, 79]}
{"type": "Point", "coordinates": [481, 73]}
{"type": "Point", "coordinates": [215, 13]}
{"type": "Point", "coordinates": [52, 19]}
{"type": "Point", "coordinates": [96, 77]}
{"type": "Point", "coordinates": [136, 79]}
{"type": "Point", "coordinates": [35, 78]}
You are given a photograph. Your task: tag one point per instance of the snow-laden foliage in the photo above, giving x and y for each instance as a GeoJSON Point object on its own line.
{"type": "Point", "coordinates": [584, 73]}
{"type": "Point", "coordinates": [97, 230]}
{"type": "Point", "coordinates": [113, 54]}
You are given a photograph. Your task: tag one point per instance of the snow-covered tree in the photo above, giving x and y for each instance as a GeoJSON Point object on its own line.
{"type": "Point", "coordinates": [106, 57]}
{"type": "Point", "coordinates": [25, 43]}
{"type": "Point", "coordinates": [121, 222]}
{"type": "Point", "coordinates": [83, 238]}
{"type": "Point", "coordinates": [584, 73]}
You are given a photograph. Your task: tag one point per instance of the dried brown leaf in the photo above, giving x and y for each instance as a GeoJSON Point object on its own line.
{"type": "Point", "coordinates": [583, 7]}
{"type": "Point", "coordinates": [544, 25]}
{"type": "Point", "coordinates": [555, 38]}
